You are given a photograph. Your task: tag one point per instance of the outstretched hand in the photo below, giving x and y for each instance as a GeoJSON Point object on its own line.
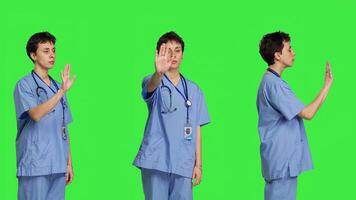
{"type": "Point", "coordinates": [328, 76]}
{"type": "Point", "coordinates": [163, 59]}
{"type": "Point", "coordinates": [66, 81]}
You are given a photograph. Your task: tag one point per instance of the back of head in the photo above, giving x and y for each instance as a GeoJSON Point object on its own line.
{"type": "Point", "coordinates": [272, 43]}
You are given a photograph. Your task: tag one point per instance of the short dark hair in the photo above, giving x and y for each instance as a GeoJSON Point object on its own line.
{"type": "Point", "coordinates": [272, 43]}
{"type": "Point", "coordinates": [169, 36]}
{"type": "Point", "coordinates": [37, 38]}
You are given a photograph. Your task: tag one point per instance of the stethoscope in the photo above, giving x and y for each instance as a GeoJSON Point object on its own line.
{"type": "Point", "coordinates": [40, 90]}
{"type": "Point", "coordinates": [273, 72]}
{"type": "Point", "coordinates": [185, 95]}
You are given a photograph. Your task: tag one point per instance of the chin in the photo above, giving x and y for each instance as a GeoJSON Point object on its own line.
{"type": "Point", "coordinates": [49, 66]}
{"type": "Point", "coordinates": [175, 66]}
{"type": "Point", "coordinates": [290, 64]}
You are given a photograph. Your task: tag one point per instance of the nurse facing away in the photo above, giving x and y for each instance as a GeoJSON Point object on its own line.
{"type": "Point", "coordinates": [44, 163]}
{"type": "Point", "coordinates": [170, 153]}
{"type": "Point", "coordinates": [284, 148]}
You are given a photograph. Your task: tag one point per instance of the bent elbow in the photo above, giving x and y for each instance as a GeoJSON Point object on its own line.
{"type": "Point", "coordinates": [308, 116]}
{"type": "Point", "coordinates": [34, 117]}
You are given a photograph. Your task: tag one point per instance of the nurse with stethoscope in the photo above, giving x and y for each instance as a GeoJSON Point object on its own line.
{"type": "Point", "coordinates": [170, 154]}
{"type": "Point", "coordinates": [44, 163]}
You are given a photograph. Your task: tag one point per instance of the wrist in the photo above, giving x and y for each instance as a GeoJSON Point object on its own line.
{"type": "Point", "coordinates": [325, 89]}
{"type": "Point", "coordinates": [158, 74]}
{"type": "Point", "coordinates": [61, 92]}
{"type": "Point", "coordinates": [198, 166]}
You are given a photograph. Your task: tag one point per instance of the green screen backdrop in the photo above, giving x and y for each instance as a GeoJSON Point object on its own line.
{"type": "Point", "coordinates": [111, 46]}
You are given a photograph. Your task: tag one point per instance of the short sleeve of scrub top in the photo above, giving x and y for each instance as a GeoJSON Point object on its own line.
{"type": "Point", "coordinates": [203, 115]}
{"type": "Point", "coordinates": [148, 96]}
{"type": "Point", "coordinates": [284, 100]}
{"type": "Point", "coordinates": [68, 113]}
{"type": "Point", "coordinates": [25, 99]}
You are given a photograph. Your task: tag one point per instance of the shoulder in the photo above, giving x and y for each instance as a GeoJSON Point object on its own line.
{"type": "Point", "coordinates": [271, 81]}
{"type": "Point", "coordinates": [194, 86]}
{"type": "Point", "coordinates": [25, 81]}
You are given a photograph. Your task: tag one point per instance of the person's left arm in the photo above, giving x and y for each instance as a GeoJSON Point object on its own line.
{"type": "Point", "coordinates": [197, 171]}
{"type": "Point", "coordinates": [70, 173]}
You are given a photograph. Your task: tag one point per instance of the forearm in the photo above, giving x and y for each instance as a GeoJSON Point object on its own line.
{"type": "Point", "coordinates": [198, 151]}
{"type": "Point", "coordinates": [154, 82]}
{"type": "Point", "coordinates": [69, 153]}
{"type": "Point", "coordinates": [38, 112]}
{"type": "Point", "coordinates": [309, 111]}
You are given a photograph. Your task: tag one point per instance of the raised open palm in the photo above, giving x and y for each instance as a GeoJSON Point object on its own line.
{"type": "Point", "coordinates": [328, 76]}
{"type": "Point", "coordinates": [163, 59]}
{"type": "Point", "coordinates": [66, 81]}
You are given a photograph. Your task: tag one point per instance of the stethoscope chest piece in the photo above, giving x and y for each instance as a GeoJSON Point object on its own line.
{"type": "Point", "coordinates": [188, 103]}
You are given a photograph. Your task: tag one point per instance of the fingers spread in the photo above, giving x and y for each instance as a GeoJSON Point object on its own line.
{"type": "Point", "coordinates": [162, 49]}
{"type": "Point", "coordinates": [74, 77]}
{"type": "Point", "coordinates": [62, 76]}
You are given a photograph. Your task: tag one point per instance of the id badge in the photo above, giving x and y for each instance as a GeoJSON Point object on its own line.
{"type": "Point", "coordinates": [188, 132]}
{"type": "Point", "coordinates": [64, 133]}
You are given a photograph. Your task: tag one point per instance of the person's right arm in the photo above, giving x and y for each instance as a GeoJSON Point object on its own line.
{"type": "Point", "coordinates": [41, 110]}
{"type": "Point", "coordinates": [163, 62]}
{"type": "Point", "coordinates": [309, 111]}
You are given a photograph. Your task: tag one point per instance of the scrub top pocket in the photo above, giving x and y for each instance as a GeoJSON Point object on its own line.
{"type": "Point", "coordinates": [150, 147]}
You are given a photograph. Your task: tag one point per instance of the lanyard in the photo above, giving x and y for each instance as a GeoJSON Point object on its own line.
{"type": "Point", "coordinates": [185, 96]}
{"type": "Point", "coordinates": [273, 72]}
{"type": "Point", "coordinates": [54, 92]}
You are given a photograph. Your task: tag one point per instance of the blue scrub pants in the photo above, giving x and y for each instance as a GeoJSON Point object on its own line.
{"type": "Point", "coordinates": [159, 185]}
{"type": "Point", "coordinates": [281, 189]}
{"type": "Point", "coordinates": [47, 187]}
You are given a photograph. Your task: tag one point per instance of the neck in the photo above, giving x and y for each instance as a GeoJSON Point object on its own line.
{"type": "Point", "coordinates": [41, 71]}
{"type": "Point", "coordinates": [277, 68]}
{"type": "Point", "coordinates": [173, 75]}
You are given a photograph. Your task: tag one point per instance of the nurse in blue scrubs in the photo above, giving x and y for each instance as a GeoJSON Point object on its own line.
{"type": "Point", "coordinates": [44, 164]}
{"type": "Point", "coordinates": [170, 154]}
{"type": "Point", "coordinates": [284, 146]}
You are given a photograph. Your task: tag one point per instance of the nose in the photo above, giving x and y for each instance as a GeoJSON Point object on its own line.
{"type": "Point", "coordinates": [52, 54]}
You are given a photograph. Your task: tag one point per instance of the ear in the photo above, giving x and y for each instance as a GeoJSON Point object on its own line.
{"type": "Point", "coordinates": [33, 56]}
{"type": "Point", "coordinates": [277, 56]}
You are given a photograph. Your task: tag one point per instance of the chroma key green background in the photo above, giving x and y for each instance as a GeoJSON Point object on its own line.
{"type": "Point", "coordinates": [111, 45]}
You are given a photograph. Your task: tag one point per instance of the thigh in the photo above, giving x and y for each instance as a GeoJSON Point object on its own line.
{"type": "Point", "coordinates": [180, 188]}
{"type": "Point", "coordinates": [57, 186]}
{"type": "Point", "coordinates": [155, 184]}
{"type": "Point", "coordinates": [281, 189]}
{"type": "Point", "coordinates": [33, 187]}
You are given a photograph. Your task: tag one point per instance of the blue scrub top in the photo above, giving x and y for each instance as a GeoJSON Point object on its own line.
{"type": "Point", "coordinates": [284, 146]}
{"type": "Point", "coordinates": [164, 147]}
{"type": "Point", "coordinates": [40, 147]}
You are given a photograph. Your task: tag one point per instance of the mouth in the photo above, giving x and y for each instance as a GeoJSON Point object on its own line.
{"type": "Point", "coordinates": [51, 62]}
{"type": "Point", "coordinates": [174, 62]}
